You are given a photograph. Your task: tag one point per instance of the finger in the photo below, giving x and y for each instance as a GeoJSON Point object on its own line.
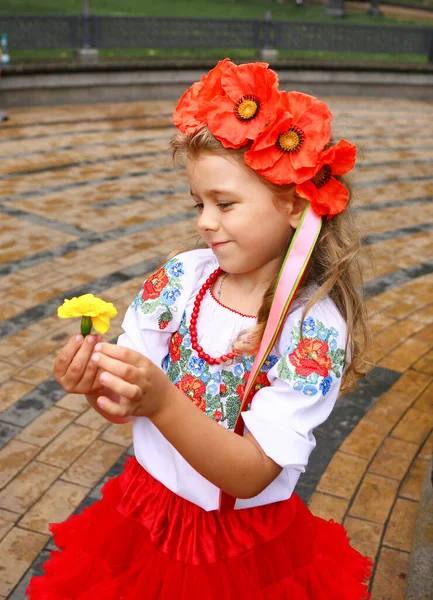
{"type": "Point", "coordinates": [121, 353]}
{"type": "Point", "coordinates": [66, 355]}
{"type": "Point", "coordinates": [123, 389]}
{"type": "Point", "coordinates": [81, 369]}
{"type": "Point", "coordinates": [124, 370]}
{"type": "Point", "coordinates": [114, 409]}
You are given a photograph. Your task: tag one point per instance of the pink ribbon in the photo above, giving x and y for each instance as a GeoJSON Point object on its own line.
{"type": "Point", "coordinates": [291, 273]}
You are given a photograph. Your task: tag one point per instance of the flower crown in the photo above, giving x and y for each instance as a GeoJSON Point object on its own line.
{"type": "Point", "coordinates": [288, 132]}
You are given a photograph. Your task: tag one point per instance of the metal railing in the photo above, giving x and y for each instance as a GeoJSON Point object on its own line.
{"type": "Point", "coordinates": [118, 32]}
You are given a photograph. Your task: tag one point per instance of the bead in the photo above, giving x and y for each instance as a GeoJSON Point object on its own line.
{"type": "Point", "coordinates": [193, 322]}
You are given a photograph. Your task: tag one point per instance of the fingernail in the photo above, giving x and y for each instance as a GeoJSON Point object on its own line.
{"type": "Point", "coordinates": [98, 347]}
{"type": "Point", "coordinates": [104, 377]}
{"type": "Point", "coordinates": [79, 338]}
{"type": "Point", "coordinates": [101, 402]}
{"type": "Point", "coordinates": [90, 339]}
{"type": "Point", "coordinates": [96, 357]}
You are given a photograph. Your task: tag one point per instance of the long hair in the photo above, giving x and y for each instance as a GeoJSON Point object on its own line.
{"type": "Point", "coordinates": [334, 268]}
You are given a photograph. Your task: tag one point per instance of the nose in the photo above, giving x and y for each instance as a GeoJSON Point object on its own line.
{"type": "Point", "coordinates": [208, 220]}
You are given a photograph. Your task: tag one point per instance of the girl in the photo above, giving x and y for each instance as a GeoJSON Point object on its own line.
{"type": "Point", "coordinates": [231, 355]}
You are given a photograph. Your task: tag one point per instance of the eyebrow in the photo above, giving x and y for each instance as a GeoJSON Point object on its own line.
{"type": "Point", "coordinates": [215, 192]}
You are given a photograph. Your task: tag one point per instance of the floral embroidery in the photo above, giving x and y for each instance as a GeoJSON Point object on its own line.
{"type": "Point", "coordinates": [310, 361]}
{"type": "Point", "coordinates": [193, 388]}
{"type": "Point", "coordinates": [218, 394]}
{"type": "Point", "coordinates": [311, 356]}
{"type": "Point", "coordinates": [160, 291]}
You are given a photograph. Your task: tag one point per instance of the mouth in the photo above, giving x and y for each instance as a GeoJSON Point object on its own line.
{"type": "Point", "coordinates": [218, 245]}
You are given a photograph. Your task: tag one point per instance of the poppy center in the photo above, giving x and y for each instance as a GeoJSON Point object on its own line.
{"type": "Point", "coordinates": [322, 177]}
{"type": "Point", "coordinates": [292, 140]}
{"type": "Point", "coordinates": [247, 108]}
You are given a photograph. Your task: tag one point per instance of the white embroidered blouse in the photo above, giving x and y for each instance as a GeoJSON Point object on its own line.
{"type": "Point", "coordinates": [297, 387]}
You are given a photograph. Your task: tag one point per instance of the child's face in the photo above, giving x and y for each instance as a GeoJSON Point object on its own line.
{"type": "Point", "coordinates": [237, 215]}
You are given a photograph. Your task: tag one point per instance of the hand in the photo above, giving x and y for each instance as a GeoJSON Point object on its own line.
{"type": "Point", "coordinates": [136, 386]}
{"type": "Point", "coordinates": [73, 368]}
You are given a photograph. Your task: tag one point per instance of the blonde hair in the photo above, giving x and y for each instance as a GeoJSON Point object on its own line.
{"type": "Point", "coordinates": [334, 267]}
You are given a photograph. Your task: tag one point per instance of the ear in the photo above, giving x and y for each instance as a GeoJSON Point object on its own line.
{"type": "Point", "coordinates": [297, 207]}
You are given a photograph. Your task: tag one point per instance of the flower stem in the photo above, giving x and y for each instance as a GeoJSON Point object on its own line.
{"type": "Point", "coordinates": [86, 325]}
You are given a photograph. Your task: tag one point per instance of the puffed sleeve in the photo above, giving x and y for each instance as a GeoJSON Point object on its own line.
{"type": "Point", "coordinates": [157, 310]}
{"type": "Point", "coordinates": [304, 385]}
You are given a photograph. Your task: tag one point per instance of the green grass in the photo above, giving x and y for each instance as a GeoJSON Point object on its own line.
{"type": "Point", "coordinates": [67, 55]}
{"type": "Point", "coordinates": [230, 9]}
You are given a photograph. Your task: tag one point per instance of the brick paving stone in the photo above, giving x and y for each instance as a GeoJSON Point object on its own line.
{"type": "Point", "coordinates": [374, 498]}
{"type": "Point", "coordinates": [13, 457]}
{"type": "Point", "coordinates": [54, 506]}
{"type": "Point", "coordinates": [365, 536]}
{"type": "Point", "coordinates": [391, 575]}
{"type": "Point", "coordinates": [405, 355]}
{"type": "Point", "coordinates": [17, 551]}
{"type": "Point", "coordinates": [46, 427]}
{"type": "Point", "coordinates": [27, 486]}
{"type": "Point", "coordinates": [427, 449]}
{"type": "Point", "coordinates": [118, 434]}
{"type": "Point", "coordinates": [411, 384]}
{"type": "Point", "coordinates": [425, 364]}
{"type": "Point", "coordinates": [32, 374]}
{"type": "Point", "coordinates": [73, 402]}
{"type": "Point", "coordinates": [92, 419]}
{"type": "Point", "coordinates": [328, 507]}
{"type": "Point", "coordinates": [68, 446]}
{"type": "Point", "coordinates": [381, 440]}
{"type": "Point", "coordinates": [6, 371]}
{"type": "Point", "coordinates": [425, 401]}
{"type": "Point", "coordinates": [365, 439]}
{"type": "Point", "coordinates": [389, 409]}
{"type": "Point", "coordinates": [393, 458]}
{"type": "Point", "coordinates": [343, 475]}
{"type": "Point", "coordinates": [413, 483]}
{"type": "Point", "coordinates": [95, 461]}
{"type": "Point", "coordinates": [401, 525]}
{"type": "Point", "coordinates": [415, 426]}
{"type": "Point", "coordinates": [7, 521]}
{"type": "Point", "coordinates": [11, 391]}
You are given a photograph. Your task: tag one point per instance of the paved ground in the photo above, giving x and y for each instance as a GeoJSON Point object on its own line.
{"type": "Point", "coordinates": [91, 202]}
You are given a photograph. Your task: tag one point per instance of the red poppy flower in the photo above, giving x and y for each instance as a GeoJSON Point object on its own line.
{"type": "Point", "coordinates": [248, 103]}
{"type": "Point", "coordinates": [223, 388]}
{"type": "Point", "coordinates": [194, 389]}
{"type": "Point", "coordinates": [154, 285]}
{"type": "Point", "coordinates": [212, 87]}
{"type": "Point", "coordinates": [287, 150]}
{"type": "Point", "coordinates": [175, 342]}
{"type": "Point", "coordinates": [327, 195]}
{"type": "Point", "coordinates": [190, 113]}
{"type": "Point", "coordinates": [311, 356]}
{"type": "Point", "coordinates": [217, 415]}
{"type": "Point", "coordinates": [186, 109]}
{"type": "Point", "coordinates": [261, 381]}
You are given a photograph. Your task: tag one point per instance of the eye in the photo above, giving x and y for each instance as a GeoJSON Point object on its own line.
{"type": "Point", "coordinates": [198, 206]}
{"type": "Point", "coordinates": [224, 205]}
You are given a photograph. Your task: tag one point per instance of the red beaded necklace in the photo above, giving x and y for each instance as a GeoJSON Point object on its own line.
{"type": "Point", "coordinates": [193, 323]}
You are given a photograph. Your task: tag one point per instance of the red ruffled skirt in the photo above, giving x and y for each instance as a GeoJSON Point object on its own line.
{"type": "Point", "coordinates": [142, 542]}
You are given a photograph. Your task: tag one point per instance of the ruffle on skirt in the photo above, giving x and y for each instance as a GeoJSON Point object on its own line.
{"type": "Point", "coordinates": [142, 542]}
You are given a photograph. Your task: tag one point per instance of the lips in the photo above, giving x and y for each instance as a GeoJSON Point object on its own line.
{"type": "Point", "coordinates": [218, 244]}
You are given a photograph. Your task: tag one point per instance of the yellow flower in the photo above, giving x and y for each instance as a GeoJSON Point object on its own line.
{"type": "Point", "coordinates": [92, 310]}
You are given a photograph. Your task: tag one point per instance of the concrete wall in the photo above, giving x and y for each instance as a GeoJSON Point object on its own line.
{"type": "Point", "coordinates": [50, 89]}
